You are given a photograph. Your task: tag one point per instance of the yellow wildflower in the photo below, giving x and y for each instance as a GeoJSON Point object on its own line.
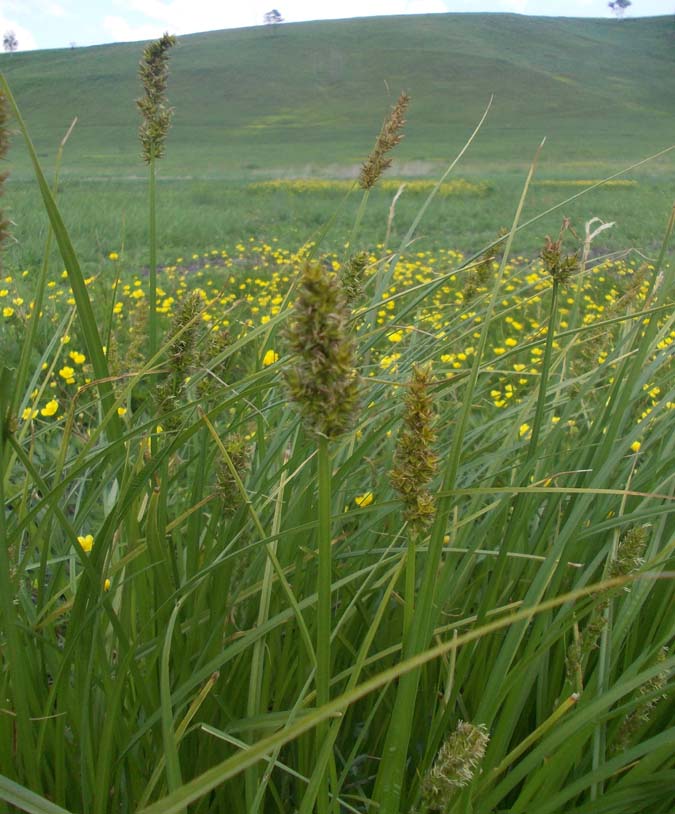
{"type": "Point", "coordinates": [364, 500]}
{"type": "Point", "coordinates": [86, 542]}
{"type": "Point", "coordinates": [270, 357]}
{"type": "Point", "coordinates": [50, 408]}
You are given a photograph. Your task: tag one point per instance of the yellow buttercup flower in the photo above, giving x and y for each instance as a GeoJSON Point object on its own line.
{"type": "Point", "coordinates": [364, 500]}
{"type": "Point", "coordinates": [50, 408]}
{"type": "Point", "coordinates": [86, 542]}
{"type": "Point", "coordinates": [270, 357]}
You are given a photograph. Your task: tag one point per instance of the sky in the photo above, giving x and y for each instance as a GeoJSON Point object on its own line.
{"type": "Point", "coordinates": [61, 23]}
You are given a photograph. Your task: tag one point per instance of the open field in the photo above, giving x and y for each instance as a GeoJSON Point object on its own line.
{"type": "Point", "coordinates": [201, 215]}
{"type": "Point", "coordinates": [306, 101]}
{"type": "Point", "coordinates": [313, 95]}
{"type": "Point", "coordinates": [313, 505]}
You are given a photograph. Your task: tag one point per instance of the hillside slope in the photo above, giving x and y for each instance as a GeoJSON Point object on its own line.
{"type": "Point", "coordinates": [250, 100]}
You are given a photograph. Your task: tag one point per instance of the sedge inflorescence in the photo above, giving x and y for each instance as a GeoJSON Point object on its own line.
{"type": "Point", "coordinates": [322, 379]}
{"type": "Point", "coordinates": [153, 73]}
{"type": "Point", "coordinates": [560, 266]}
{"type": "Point", "coordinates": [390, 135]}
{"type": "Point", "coordinates": [415, 461]}
{"type": "Point", "coordinates": [457, 762]}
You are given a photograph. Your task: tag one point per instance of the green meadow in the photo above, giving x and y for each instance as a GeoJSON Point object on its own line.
{"type": "Point", "coordinates": [331, 486]}
{"type": "Point", "coordinates": [305, 101]}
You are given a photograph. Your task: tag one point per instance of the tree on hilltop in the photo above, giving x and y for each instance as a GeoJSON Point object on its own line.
{"type": "Point", "coordinates": [273, 18]}
{"type": "Point", "coordinates": [9, 41]}
{"type": "Point", "coordinates": [619, 7]}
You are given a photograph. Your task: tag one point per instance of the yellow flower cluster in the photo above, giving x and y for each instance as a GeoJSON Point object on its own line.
{"type": "Point", "coordinates": [244, 287]}
{"type": "Point", "coordinates": [457, 188]}
{"type": "Point", "coordinates": [615, 183]}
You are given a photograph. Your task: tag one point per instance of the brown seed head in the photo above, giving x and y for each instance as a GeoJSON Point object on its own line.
{"type": "Point", "coordinates": [351, 277]}
{"type": "Point", "coordinates": [153, 72]}
{"type": "Point", "coordinates": [561, 267]}
{"type": "Point", "coordinates": [415, 460]}
{"type": "Point", "coordinates": [323, 380]}
{"type": "Point", "coordinates": [389, 137]}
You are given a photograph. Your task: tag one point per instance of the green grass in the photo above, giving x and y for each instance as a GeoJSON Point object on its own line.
{"type": "Point", "coordinates": [307, 102]}
{"type": "Point", "coordinates": [198, 216]}
{"type": "Point", "coordinates": [315, 94]}
{"type": "Point", "coordinates": [204, 606]}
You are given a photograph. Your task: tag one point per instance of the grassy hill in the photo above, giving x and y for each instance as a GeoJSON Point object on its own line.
{"type": "Point", "coordinates": [311, 96]}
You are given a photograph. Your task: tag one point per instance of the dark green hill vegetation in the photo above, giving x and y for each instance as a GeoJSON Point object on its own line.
{"type": "Point", "coordinates": [312, 95]}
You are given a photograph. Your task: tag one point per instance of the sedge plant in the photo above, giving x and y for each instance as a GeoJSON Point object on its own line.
{"type": "Point", "coordinates": [156, 120]}
{"type": "Point", "coordinates": [272, 589]}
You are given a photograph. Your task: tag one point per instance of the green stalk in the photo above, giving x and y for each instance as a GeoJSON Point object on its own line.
{"type": "Point", "coordinates": [390, 777]}
{"type": "Point", "coordinates": [605, 652]}
{"type": "Point", "coordinates": [545, 373]}
{"type": "Point", "coordinates": [220, 772]}
{"type": "Point", "coordinates": [323, 625]}
{"type": "Point", "coordinates": [29, 340]}
{"type": "Point", "coordinates": [169, 737]}
{"type": "Point", "coordinates": [152, 297]}
{"type": "Point", "coordinates": [552, 720]}
{"type": "Point", "coordinates": [358, 219]}
{"type": "Point", "coordinates": [88, 324]}
{"type": "Point", "coordinates": [521, 500]}
{"type": "Point", "coordinates": [410, 580]}
{"type": "Point", "coordinates": [15, 653]}
{"type": "Point", "coordinates": [254, 704]}
{"type": "Point", "coordinates": [325, 755]}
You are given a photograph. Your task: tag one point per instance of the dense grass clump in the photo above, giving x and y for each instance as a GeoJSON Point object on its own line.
{"type": "Point", "coordinates": [379, 529]}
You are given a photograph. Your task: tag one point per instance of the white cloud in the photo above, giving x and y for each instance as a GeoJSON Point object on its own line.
{"type": "Point", "coordinates": [35, 7]}
{"type": "Point", "coordinates": [24, 37]}
{"type": "Point", "coordinates": [186, 16]}
{"type": "Point", "coordinates": [120, 30]}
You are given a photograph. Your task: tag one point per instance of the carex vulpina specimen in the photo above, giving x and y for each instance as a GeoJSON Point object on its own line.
{"type": "Point", "coordinates": [153, 72]}
{"type": "Point", "coordinates": [390, 135]}
{"type": "Point", "coordinates": [415, 460]}
{"type": "Point", "coordinates": [457, 762]}
{"type": "Point", "coordinates": [322, 379]}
